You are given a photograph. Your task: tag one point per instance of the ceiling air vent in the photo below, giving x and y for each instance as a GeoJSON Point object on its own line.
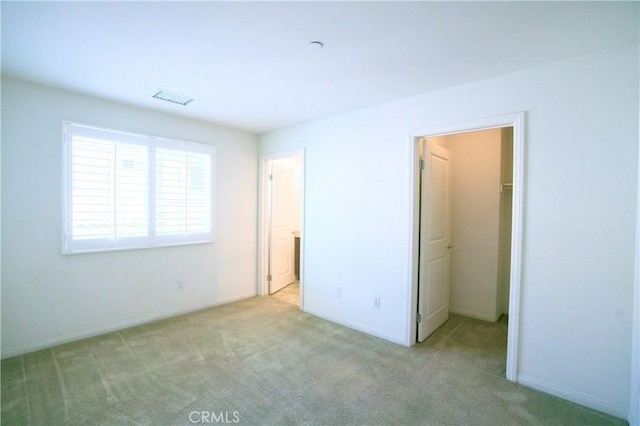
{"type": "Point", "coordinates": [173, 97]}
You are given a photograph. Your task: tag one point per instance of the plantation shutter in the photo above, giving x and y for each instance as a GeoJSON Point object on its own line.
{"type": "Point", "coordinates": [132, 191]}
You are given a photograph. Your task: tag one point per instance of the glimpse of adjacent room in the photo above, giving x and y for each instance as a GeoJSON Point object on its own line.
{"type": "Point", "coordinates": [283, 228]}
{"type": "Point", "coordinates": [481, 200]}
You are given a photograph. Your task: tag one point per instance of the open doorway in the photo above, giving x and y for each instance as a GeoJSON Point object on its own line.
{"type": "Point", "coordinates": [435, 152]}
{"type": "Point", "coordinates": [281, 227]}
{"type": "Point", "coordinates": [479, 218]}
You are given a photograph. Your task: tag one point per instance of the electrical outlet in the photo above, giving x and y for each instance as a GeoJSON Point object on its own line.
{"type": "Point", "coordinates": [179, 285]}
{"type": "Point", "coordinates": [376, 302]}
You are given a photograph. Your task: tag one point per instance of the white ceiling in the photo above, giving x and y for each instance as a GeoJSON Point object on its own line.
{"type": "Point", "coordinates": [248, 64]}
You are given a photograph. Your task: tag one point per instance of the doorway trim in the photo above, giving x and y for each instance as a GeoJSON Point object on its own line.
{"type": "Point", "coordinates": [517, 121]}
{"type": "Point", "coordinates": [263, 218]}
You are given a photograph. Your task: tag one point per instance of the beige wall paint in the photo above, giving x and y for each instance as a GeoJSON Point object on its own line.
{"type": "Point", "coordinates": [480, 279]}
{"type": "Point", "coordinates": [475, 219]}
{"type": "Point", "coordinates": [506, 203]}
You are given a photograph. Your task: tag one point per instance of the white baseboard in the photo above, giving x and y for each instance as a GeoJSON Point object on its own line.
{"type": "Point", "coordinates": [578, 398]}
{"type": "Point", "coordinates": [632, 419]}
{"type": "Point", "coordinates": [83, 334]}
{"type": "Point", "coordinates": [472, 314]}
{"type": "Point", "coordinates": [358, 327]}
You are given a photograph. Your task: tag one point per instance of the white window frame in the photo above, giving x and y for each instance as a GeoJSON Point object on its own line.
{"type": "Point", "coordinates": [151, 240]}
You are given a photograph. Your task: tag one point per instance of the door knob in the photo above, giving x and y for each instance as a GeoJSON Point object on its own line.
{"type": "Point", "coordinates": [449, 247]}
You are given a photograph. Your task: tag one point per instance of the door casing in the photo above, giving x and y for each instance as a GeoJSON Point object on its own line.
{"type": "Point", "coordinates": [517, 121]}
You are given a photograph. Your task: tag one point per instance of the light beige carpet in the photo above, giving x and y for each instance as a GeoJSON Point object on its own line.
{"type": "Point", "coordinates": [261, 361]}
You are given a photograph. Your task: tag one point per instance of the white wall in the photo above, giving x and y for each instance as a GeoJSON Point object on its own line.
{"type": "Point", "coordinates": [475, 220]}
{"type": "Point", "coordinates": [580, 212]}
{"type": "Point", "coordinates": [634, 409]}
{"type": "Point", "coordinates": [47, 297]}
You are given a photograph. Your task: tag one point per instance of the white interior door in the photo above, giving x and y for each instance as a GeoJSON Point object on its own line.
{"type": "Point", "coordinates": [435, 212]}
{"type": "Point", "coordinates": [283, 221]}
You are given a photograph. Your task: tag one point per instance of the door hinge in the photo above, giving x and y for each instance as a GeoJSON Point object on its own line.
{"type": "Point", "coordinates": [268, 277]}
{"type": "Point", "coordinates": [271, 177]}
{"type": "Point", "coordinates": [418, 317]}
{"type": "Point", "coordinates": [421, 164]}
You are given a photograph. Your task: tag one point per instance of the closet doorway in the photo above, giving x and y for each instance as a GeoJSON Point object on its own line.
{"type": "Point", "coordinates": [430, 265]}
